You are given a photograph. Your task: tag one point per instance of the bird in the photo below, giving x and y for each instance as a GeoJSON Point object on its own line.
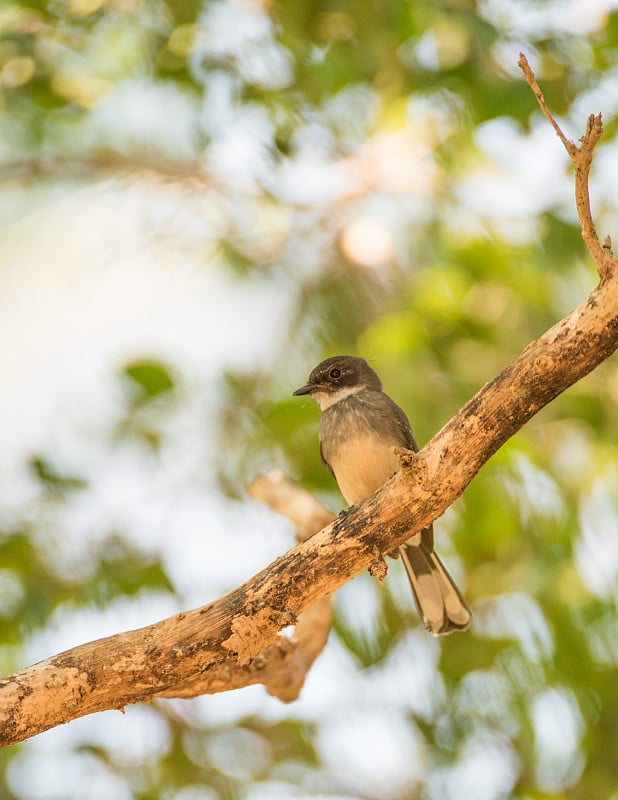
{"type": "Point", "coordinates": [360, 425]}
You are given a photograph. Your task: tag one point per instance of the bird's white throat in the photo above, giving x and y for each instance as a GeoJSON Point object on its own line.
{"type": "Point", "coordinates": [327, 399]}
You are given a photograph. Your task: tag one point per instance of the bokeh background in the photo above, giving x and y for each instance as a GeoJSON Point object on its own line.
{"type": "Point", "coordinates": [201, 199]}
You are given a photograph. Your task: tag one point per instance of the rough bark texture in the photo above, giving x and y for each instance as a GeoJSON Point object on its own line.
{"type": "Point", "coordinates": [234, 641]}
{"type": "Point", "coordinates": [183, 656]}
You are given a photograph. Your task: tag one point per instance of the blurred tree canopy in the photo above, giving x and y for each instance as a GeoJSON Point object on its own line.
{"type": "Point", "coordinates": [318, 178]}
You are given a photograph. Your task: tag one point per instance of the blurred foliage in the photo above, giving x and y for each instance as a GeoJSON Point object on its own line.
{"type": "Point", "coordinates": [148, 379]}
{"type": "Point", "coordinates": [149, 391]}
{"type": "Point", "coordinates": [303, 127]}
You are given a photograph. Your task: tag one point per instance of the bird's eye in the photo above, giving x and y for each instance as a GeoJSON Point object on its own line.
{"type": "Point", "coordinates": [335, 373]}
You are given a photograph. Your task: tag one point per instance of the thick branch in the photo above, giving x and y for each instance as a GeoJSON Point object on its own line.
{"type": "Point", "coordinates": [53, 691]}
{"type": "Point", "coordinates": [282, 667]}
{"type": "Point", "coordinates": [207, 649]}
{"type": "Point", "coordinates": [216, 640]}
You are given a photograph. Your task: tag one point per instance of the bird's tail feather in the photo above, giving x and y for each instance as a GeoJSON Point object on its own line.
{"type": "Point", "coordinates": [439, 602]}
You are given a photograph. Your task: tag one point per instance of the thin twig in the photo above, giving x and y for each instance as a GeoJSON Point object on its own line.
{"type": "Point", "coordinates": [582, 160]}
{"type": "Point", "coordinates": [523, 64]}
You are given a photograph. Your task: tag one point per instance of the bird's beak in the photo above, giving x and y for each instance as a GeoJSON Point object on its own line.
{"type": "Point", "coordinates": [306, 389]}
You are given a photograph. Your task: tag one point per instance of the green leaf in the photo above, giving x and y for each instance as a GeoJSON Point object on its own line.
{"type": "Point", "coordinates": [147, 380]}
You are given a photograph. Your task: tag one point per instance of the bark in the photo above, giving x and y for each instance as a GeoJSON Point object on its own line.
{"type": "Point", "coordinates": [235, 640]}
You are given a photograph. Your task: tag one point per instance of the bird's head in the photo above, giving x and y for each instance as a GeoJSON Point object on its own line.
{"type": "Point", "coordinates": [337, 378]}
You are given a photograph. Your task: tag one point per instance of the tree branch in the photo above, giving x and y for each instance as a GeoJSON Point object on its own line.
{"type": "Point", "coordinates": [282, 667]}
{"type": "Point", "coordinates": [79, 165]}
{"type": "Point", "coordinates": [582, 161]}
{"type": "Point", "coordinates": [236, 638]}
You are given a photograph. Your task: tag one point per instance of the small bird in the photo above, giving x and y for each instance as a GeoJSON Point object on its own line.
{"type": "Point", "coordinates": [359, 427]}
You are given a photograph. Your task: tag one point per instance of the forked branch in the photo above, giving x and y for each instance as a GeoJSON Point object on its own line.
{"type": "Point", "coordinates": [582, 161]}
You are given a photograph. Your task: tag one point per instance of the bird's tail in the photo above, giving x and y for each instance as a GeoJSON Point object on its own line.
{"type": "Point", "coordinates": [439, 602]}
